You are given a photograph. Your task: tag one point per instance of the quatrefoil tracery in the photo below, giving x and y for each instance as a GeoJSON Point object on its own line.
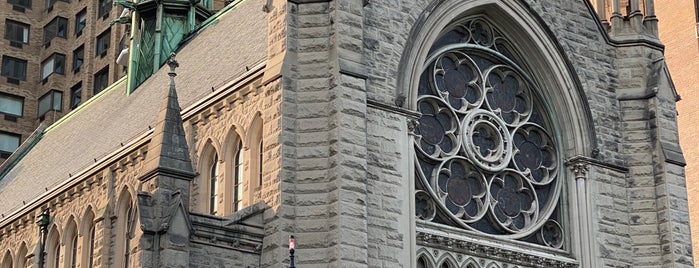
{"type": "Point", "coordinates": [484, 154]}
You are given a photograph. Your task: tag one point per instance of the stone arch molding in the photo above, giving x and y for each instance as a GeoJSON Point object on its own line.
{"type": "Point", "coordinates": [559, 87]}
{"type": "Point", "coordinates": [555, 89]}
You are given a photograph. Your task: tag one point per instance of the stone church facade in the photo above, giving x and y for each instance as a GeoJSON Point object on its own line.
{"type": "Point", "coordinates": [443, 133]}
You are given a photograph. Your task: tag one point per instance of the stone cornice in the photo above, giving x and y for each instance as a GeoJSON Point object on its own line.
{"type": "Point", "coordinates": [493, 252]}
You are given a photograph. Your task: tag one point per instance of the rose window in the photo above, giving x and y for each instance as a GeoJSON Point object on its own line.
{"type": "Point", "coordinates": [486, 160]}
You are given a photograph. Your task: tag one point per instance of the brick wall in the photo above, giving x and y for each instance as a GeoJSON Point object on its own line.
{"type": "Point", "coordinates": [678, 32]}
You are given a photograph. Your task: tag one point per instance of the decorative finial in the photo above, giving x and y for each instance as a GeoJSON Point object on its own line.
{"type": "Point", "coordinates": [172, 62]}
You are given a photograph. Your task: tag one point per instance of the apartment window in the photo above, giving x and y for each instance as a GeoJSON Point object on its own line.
{"type": "Point", "coordinates": [58, 27]}
{"type": "Point", "coordinates": [102, 43]}
{"type": "Point", "coordinates": [14, 68]}
{"type": "Point", "coordinates": [80, 21]}
{"type": "Point", "coordinates": [51, 101]}
{"type": "Point", "coordinates": [21, 3]}
{"type": "Point", "coordinates": [76, 95]}
{"type": "Point", "coordinates": [11, 104]}
{"type": "Point", "coordinates": [17, 33]}
{"type": "Point", "coordinates": [53, 64]}
{"type": "Point", "coordinates": [104, 7]}
{"type": "Point", "coordinates": [50, 3]}
{"type": "Point", "coordinates": [78, 58]}
{"type": "Point", "coordinates": [8, 143]}
{"type": "Point", "coordinates": [101, 80]}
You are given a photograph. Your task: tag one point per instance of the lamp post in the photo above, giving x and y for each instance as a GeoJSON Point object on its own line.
{"type": "Point", "coordinates": [43, 221]}
{"type": "Point", "coordinates": [292, 248]}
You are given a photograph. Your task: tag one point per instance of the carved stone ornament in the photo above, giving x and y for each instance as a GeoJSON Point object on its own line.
{"type": "Point", "coordinates": [479, 255]}
{"type": "Point", "coordinates": [486, 159]}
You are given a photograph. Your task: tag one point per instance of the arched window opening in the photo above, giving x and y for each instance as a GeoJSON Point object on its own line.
{"type": "Point", "coordinates": [124, 226]}
{"type": "Point", "coordinates": [74, 251]}
{"type": "Point", "coordinates": [53, 248]}
{"type": "Point", "coordinates": [7, 260]}
{"type": "Point", "coordinates": [56, 254]}
{"type": "Point", "coordinates": [127, 236]}
{"type": "Point", "coordinates": [70, 243]}
{"type": "Point", "coordinates": [238, 169]}
{"type": "Point", "coordinates": [487, 160]}
{"type": "Point", "coordinates": [22, 256]}
{"type": "Point", "coordinates": [259, 162]}
{"type": "Point", "coordinates": [87, 229]}
{"type": "Point", "coordinates": [255, 159]}
{"type": "Point", "coordinates": [421, 263]}
{"type": "Point", "coordinates": [213, 185]}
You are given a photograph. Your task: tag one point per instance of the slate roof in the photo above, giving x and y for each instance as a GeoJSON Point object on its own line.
{"type": "Point", "coordinates": [218, 53]}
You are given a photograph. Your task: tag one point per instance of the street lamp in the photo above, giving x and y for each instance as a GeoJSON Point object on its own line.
{"type": "Point", "coordinates": [43, 221]}
{"type": "Point", "coordinates": [292, 248]}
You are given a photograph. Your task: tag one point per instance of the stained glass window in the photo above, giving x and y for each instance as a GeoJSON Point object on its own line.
{"type": "Point", "coordinates": [486, 157]}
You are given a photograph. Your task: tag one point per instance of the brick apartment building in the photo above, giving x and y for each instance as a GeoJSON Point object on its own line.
{"type": "Point", "coordinates": [679, 31]}
{"type": "Point", "coordinates": [55, 55]}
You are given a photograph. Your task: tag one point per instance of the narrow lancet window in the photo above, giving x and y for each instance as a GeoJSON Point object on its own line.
{"type": "Point", "coordinates": [238, 178]}
{"type": "Point", "coordinates": [213, 186]}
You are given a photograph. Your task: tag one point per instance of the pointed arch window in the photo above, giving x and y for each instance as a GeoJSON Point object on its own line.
{"type": "Point", "coordinates": [7, 260]}
{"type": "Point", "coordinates": [126, 214]}
{"type": "Point", "coordinates": [87, 239]}
{"type": "Point", "coordinates": [260, 149]}
{"type": "Point", "coordinates": [486, 157]}
{"type": "Point", "coordinates": [74, 251]}
{"type": "Point", "coordinates": [213, 185]}
{"type": "Point", "coordinates": [238, 177]}
{"type": "Point", "coordinates": [56, 254]}
{"type": "Point", "coordinates": [91, 246]}
{"type": "Point", "coordinates": [21, 260]}
{"type": "Point", "coordinates": [127, 236]}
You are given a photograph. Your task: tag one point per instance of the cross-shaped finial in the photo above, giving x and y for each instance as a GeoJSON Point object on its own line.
{"type": "Point", "coordinates": [172, 62]}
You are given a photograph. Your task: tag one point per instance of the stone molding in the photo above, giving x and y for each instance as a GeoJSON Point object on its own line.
{"type": "Point", "coordinates": [491, 251]}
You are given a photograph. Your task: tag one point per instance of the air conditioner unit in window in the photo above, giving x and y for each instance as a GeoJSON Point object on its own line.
{"type": "Point", "coordinates": [123, 58]}
{"type": "Point", "coordinates": [10, 118]}
{"type": "Point", "coordinates": [16, 44]}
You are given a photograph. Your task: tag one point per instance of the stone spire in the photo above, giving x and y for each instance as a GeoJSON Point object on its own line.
{"type": "Point", "coordinates": [167, 151]}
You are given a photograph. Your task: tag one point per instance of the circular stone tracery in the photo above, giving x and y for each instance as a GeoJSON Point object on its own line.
{"type": "Point", "coordinates": [485, 157]}
{"type": "Point", "coordinates": [486, 140]}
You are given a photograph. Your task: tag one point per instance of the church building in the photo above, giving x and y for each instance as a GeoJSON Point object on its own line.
{"type": "Point", "coordinates": [363, 133]}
